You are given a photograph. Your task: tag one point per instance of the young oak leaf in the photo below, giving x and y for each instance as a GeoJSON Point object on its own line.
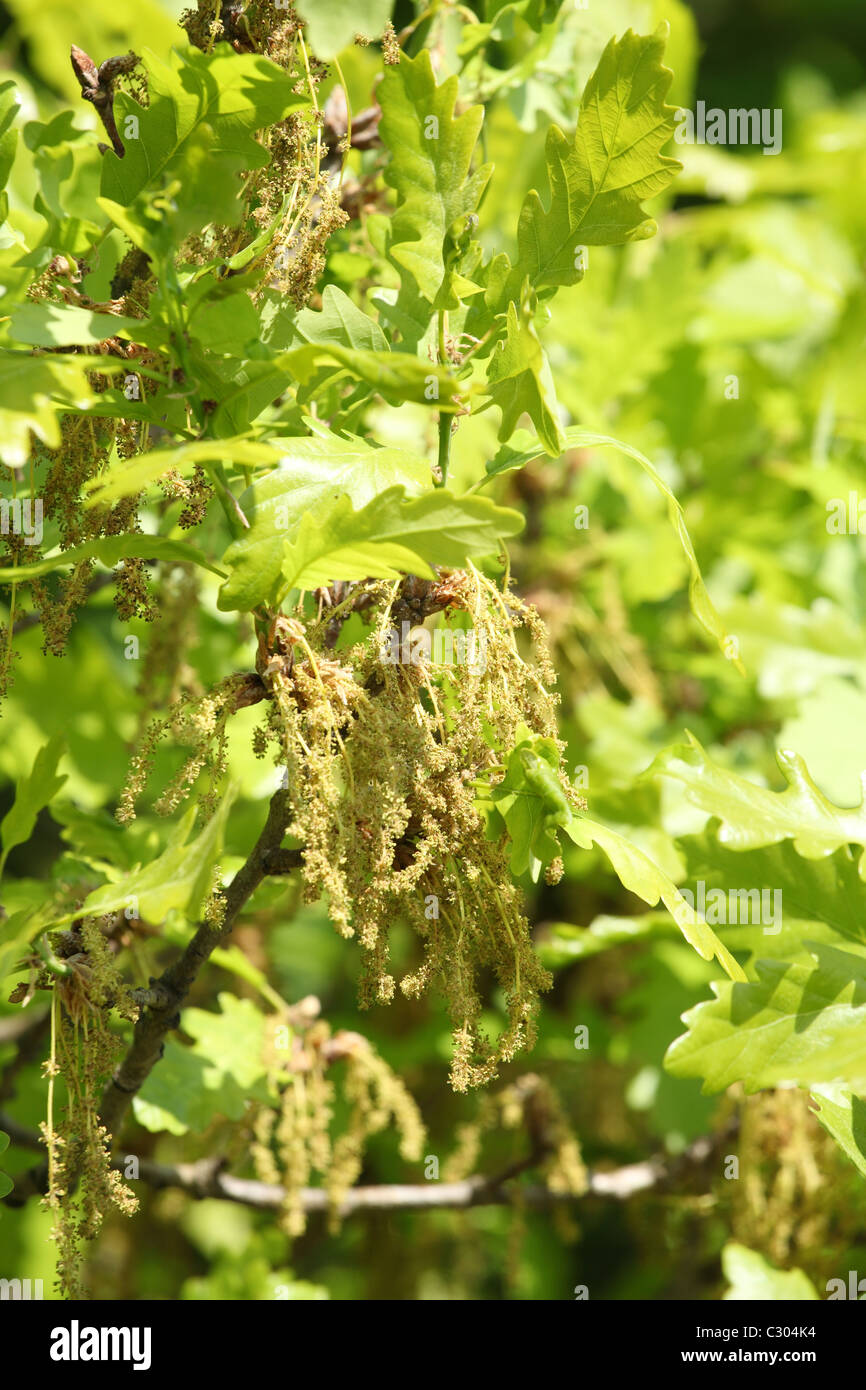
{"type": "Point", "coordinates": [109, 550]}
{"type": "Point", "coordinates": [843, 1115]}
{"type": "Point", "coordinates": [340, 321]}
{"type": "Point", "coordinates": [800, 1022]}
{"type": "Point", "coordinates": [311, 471]}
{"type": "Point", "coordinates": [521, 383]}
{"type": "Point", "coordinates": [528, 804]}
{"type": "Point", "coordinates": [393, 535]}
{"type": "Point", "coordinates": [178, 881]}
{"type": "Point", "coordinates": [17, 932]}
{"type": "Point", "coordinates": [32, 794]}
{"type": "Point", "coordinates": [138, 473]}
{"type": "Point", "coordinates": [816, 900]}
{"type": "Point", "coordinates": [217, 1076]}
{"type": "Point", "coordinates": [9, 107]}
{"type": "Point", "coordinates": [34, 392]}
{"type": "Point", "coordinates": [396, 376]}
{"type": "Point", "coordinates": [599, 179]}
{"type": "Point", "coordinates": [430, 169]}
{"type": "Point", "coordinates": [51, 325]}
{"type": "Point", "coordinates": [531, 805]}
{"type": "Point", "coordinates": [637, 872]}
{"type": "Point", "coordinates": [752, 816]}
{"type": "Point", "coordinates": [204, 111]}
{"type": "Point", "coordinates": [515, 454]}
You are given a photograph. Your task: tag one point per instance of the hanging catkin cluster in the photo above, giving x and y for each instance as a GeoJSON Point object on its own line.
{"type": "Point", "coordinates": [532, 1106]}
{"type": "Point", "coordinates": [295, 1138]}
{"type": "Point", "coordinates": [83, 1186]}
{"type": "Point", "coordinates": [297, 190]}
{"type": "Point", "coordinates": [383, 761]}
{"type": "Point", "coordinates": [387, 755]}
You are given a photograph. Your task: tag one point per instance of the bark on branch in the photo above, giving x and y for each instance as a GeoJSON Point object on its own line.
{"type": "Point", "coordinates": [165, 997]}
{"type": "Point", "coordinates": [173, 986]}
{"type": "Point", "coordinates": [207, 1178]}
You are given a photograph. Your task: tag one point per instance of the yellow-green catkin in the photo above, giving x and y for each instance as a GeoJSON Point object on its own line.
{"type": "Point", "coordinates": [295, 1141]}
{"type": "Point", "coordinates": [83, 1186]}
{"type": "Point", "coordinates": [531, 1108]}
{"type": "Point", "coordinates": [381, 762]}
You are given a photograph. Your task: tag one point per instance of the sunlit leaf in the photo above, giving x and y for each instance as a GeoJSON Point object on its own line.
{"type": "Point", "coordinates": [600, 178]}
{"type": "Point", "coordinates": [33, 393]}
{"type": "Point", "coordinates": [311, 471]}
{"type": "Point", "coordinates": [516, 455]}
{"type": "Point", "coordinates": [752, 815]}
{"type": "Point", "coordinates": [109, 550]}
{"type": "Point", "coordinates": [199, 127]}
{"type": "Point", "coordinates": [753, 1279]}
{"type": "Point", "coordinates": [32, 794]}
{"type": "Point", "coordinates": [178, 881]}
{"type": "Point", "coordinates": [800, 1022]}
{"type": "Point", "coordinates": [217, 1076]}
{"type": "Point", "coordinates": [393, 535]}
{"type": "Point", "coordinates": [430, 167]}
{"type": "Point", "coordinates": [637, 872]}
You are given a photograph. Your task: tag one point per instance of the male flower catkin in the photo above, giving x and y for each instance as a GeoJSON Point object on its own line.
{"type": "Point", "coordinates": [382, 761]}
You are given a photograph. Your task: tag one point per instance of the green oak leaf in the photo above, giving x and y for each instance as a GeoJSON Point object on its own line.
{"type": "Point", "coordinates": [522, 450]}
{"type": "Point", "coordinates": [752, 816]}
{"type": "Point", "coordinates": [66, 325]}
{"type": "Point", "coordinates": [32, 793]}
{"type": "Point", "coordinates": [843, 1115]}
{"type": "Point", "coordinates": [753, 1279]}
{"type": "Point", "coordinates": [430, 169]}
{"type": "Point", "coordinates": [193, 142]}
{"type": "Point", "coordinates": [798, 1022]}
{"type": "Point", "coordinates": [333, 24]}
{"type": "Point", "coordinates": [17, 932]}
{"type": "Point", "coordinates": [96, 834]}
{"type": "Point", "coordinates": [599, 179]}
{"type": "Point", "coordinates": [135, 474]}
{"type": "Point", "coordinates": [199, 127]}
{"type": "Point", "coordinates": [225, 322]}
{"type": "Point", "coordinates": [393, 535]}
{"type": "Point", "coordinates": [310, 471]}
{"type": "Point", "coordinates": [151, 221]}
{"type": "Point", "coordinates": [637, 872]}
{"type": "Point", "coordinates": [217, 1076]}
{"type": "Point", "coordinates": [34, 392]}
{"type": "Point", "coordinates": [179, 880]}
{"type": "Point", "coordinates": [520, 381]}
{"type": "Point", "coordinates": [396, 376]}
{"type": "Point", "coordinates": [340, 321]}
{"type": "Point", "coordinates": [9, 107]}
{"type": "Point", "coordinates": [529, 803]}
{"type": "Point", "coordinates": [827, 891]}
{"type": "Point", "coordinates": [67, 165]}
